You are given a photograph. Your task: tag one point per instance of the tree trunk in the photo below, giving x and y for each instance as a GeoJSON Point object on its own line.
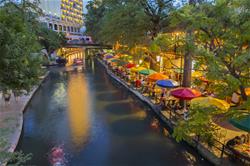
{"type": "Point", "coordinates": [187, 66]}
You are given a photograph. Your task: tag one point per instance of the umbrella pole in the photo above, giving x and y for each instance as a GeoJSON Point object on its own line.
{"type": "Point", "coordinates": [185, 110]}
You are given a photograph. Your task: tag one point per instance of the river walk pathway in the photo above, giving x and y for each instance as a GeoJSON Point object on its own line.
{"type": "Point", "coordinates": [11, 118]}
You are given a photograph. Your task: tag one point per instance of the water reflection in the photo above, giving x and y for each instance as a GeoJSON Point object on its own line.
{"type": "Point", "coordinates": [78, 109]}
{"type": "Point", "coordinates": [99, 124]}
{"type": "Point", "coordinates": [59, 94]}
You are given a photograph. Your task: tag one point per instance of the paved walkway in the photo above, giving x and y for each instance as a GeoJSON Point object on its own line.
{"type": "Point", "coordinates": [11, 119]}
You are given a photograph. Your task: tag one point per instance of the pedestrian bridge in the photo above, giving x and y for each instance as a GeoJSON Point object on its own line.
{"type": "Point", "coordinates": [72, 51]}
{"type": "Point", "coordinates": [88, 46]}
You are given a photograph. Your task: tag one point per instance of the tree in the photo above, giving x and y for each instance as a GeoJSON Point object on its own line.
{"type": "Point", "coordinates": [129, 22]}
{"type": "Point", "coordinates": [221, 43]}
{"type": "Point", "coordinates": [49, 39]}
{"type": "Point", "coordinates": [158, 12]}
{"type": "Point", "coordinates": [19, 62]}
{"type": "Point", "coordinates": [200, 124]}
{"type": "Point", "coordinates": [19, 69]}
{"type": "Point", "coordinates": [125, 23]}
{"type": "Point", "coordinates": [93, 18]}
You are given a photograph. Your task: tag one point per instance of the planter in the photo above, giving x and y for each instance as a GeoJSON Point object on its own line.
{"type": "Point", "coordinates": [6, 96]}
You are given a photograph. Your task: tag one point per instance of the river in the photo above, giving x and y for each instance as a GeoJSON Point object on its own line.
{"type": "Point", "coordinates": [97, 123]}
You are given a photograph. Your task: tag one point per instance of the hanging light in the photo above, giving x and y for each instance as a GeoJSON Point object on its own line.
{"type": "Point", "coordinates": [158, 58]}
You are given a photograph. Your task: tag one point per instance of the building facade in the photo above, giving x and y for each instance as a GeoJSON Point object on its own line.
{"type": "Point", "coordinates": [63, 16]}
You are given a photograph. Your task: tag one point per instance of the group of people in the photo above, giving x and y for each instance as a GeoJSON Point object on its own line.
{"type": "Point", "coordinates": [238, 140]}
{"type": "Point", "coordinates": [145, 86]}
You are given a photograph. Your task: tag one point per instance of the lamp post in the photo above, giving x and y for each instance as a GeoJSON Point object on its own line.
{"type": "Point", "coordinates": [140, 61]}
{"type": "Point", "coordinates": [159, 59]}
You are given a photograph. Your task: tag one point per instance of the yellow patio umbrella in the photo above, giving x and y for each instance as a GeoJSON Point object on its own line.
{"type": "Point", "coordinates": [137, 69]}
{"type": "Point", "coordinates": [197, 74]}
{"type": "Point", "coordinates": [211, 101]}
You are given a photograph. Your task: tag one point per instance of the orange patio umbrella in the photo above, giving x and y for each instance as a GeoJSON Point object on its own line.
{"type": "Point", "coordinates": [157, 76]}
{"type": "Point", "coordinates": [247, 90]}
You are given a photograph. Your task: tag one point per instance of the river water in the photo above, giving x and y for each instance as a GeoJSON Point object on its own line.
{"type": "Point", "coordinates": [97, 123]}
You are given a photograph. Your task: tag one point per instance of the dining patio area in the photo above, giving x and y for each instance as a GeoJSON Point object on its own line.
{"type": "Point", "coordinates": [174, 101]}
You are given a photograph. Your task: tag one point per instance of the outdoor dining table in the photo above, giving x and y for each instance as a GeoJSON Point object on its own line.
{"type": "Point", "coordinates": [243, 148]}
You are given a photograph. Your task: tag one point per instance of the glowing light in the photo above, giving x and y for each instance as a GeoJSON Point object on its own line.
{"type": "Point", "coordinates": [158, 58]}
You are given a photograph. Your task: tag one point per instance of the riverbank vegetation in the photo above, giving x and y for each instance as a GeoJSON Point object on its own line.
{"type": "Point", "coordinates": [22, 38]}
{"type": "Point", "coordinates": [211, 36]}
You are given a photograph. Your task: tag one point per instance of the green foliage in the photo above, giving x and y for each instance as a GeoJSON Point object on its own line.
{"type": "Point", "coordinates": [130, 22]}
{"type": "Point", "coordinates": [19, 69]}
{"type": "Point", "coordinates": [19, 59]}
{"type": "Point", "coordinates": [124, 23]}
{"type": "Point", "coordinates": [16, 158]}
{"type": "Point", "coordinates": [50, 39]}
{"type": "Point", "coordinates": [221, 43]}
{"type": "Point", "coordinates": [199, 124]}
{"type": "Point", "coordinates": [93, 18]}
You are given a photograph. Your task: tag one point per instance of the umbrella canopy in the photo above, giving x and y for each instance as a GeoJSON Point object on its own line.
{"type": "Point", "coordinates": [147, 72]}
{"type": "Point", "coordinates": [243, 124]}
{"type": "Point", "coordinates": [204, 79]}
{"type": "Point", "coordinates": [137, 69]}
{"type": "Point", "coordinates": [211, 101]}
{"type": "Point", "coordinates": [108, 56]}
{"type": "Point", "coordinates": [185, 93]}
{"type": "Point", "coordinates": [110, 59]}
{"type": "Point", "coordinates": [247, 90]}
{"type": "Point", "coordinates": [114, 60]}
{"type": "Point", "coordinates": [167, 83]}
{"type": "Point", "coordinates": [129, 65]}
{"type": "Point", "coordinates": [121, 63]}
{"type": "Point", "coordinates": [157, 76]}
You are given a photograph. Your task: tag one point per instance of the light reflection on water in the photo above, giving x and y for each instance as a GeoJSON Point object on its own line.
{"type": "Point", "coordinates": [78, 109]}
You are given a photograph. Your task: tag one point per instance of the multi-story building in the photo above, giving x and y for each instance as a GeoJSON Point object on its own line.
{"type": "Point", "coordinates": [63, 16]}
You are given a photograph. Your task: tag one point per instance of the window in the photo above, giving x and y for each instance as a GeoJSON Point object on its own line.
{"type": "Point", "coordinates": [64, 28]}
{"type": "Point", "coordinates": [68, 29]}
{"type": "Point", "coordinates": [50, 26]}
{"type": "Point", "coordinates": [55, 27]}
{"type": "Point", "coordinates": [72, 30]}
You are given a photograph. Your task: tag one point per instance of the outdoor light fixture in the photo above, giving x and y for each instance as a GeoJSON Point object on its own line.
{"type": "Point", "coordinates": [158, 58]}
{"type": "Point", "coordinates": [140, 61]}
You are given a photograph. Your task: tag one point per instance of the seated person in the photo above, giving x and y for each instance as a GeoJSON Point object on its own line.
{"type": "Point", "coordinates": [235, 100]}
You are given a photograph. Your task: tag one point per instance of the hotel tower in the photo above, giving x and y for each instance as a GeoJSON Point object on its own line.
{"type": "Point", "coordinates": [63, 16]}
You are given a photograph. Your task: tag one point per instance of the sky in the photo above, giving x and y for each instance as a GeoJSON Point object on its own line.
{"type": "Point", "coordinates": [84, 4]}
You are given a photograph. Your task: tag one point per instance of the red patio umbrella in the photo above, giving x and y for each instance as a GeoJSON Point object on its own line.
{"type": "Point", "coordinates": [130, 65]}
{"type": "Point", "coordinates": [185, 93]}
